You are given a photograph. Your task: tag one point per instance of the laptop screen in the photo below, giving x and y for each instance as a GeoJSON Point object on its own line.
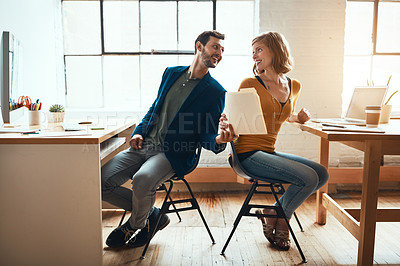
{"type": "Point", "coordinates": [363, 96]}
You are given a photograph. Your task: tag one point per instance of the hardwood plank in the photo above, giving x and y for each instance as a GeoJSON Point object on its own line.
{"type": "Point", "coordinates": [187, 243]}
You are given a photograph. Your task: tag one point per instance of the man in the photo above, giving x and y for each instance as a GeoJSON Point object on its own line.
{"type": "Point", "coordinates": [184, 115]}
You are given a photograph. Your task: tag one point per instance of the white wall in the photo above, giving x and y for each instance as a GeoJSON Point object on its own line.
{"type": "Point", "coordinates": [37, 25]}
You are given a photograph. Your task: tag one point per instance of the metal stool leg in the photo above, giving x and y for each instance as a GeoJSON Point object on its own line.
{"type": "Point", "coordinates": [288, 224]}
{"type": "Point", "coordinates": [164, 208]}
{"type": "Point", "coordinates": [173, 205]}
{"type": "Point", "coordinates": [282, 189]}
{"type": "Point", "coordinates": [198, 209]}
{"type": "Point", "coordinates": [298, 221]}
{"type": "Point", "coordinates": [122, 219]}
{"type": "Point", "coordinates": [240, 215]}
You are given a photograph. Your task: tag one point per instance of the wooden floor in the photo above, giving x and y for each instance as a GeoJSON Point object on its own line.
{"type": "Point", "coordinates": [187, 242]}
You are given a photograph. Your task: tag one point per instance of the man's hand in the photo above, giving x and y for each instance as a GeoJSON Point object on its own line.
{"type": "Point", "coordinates": [227, 131]}
{"type": "Point", "coordinates": [136, 142]}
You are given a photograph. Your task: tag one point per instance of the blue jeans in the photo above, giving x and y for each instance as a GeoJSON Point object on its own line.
{"type": "Point", "coordinates": [303, 175]}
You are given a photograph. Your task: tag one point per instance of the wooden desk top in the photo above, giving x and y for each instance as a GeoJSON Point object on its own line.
{"type": "Point", "coordinates": [392, 132]}
{"type": "Point", "coordinates": [111, 128]}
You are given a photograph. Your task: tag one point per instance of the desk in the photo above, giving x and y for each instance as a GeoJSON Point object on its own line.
{"type": "Point", "coordinates": [360, 223]}
{"type": "Point", "coordinates": [50, 196]}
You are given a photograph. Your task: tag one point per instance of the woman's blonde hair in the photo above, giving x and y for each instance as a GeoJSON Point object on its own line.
{"type": "Point", "coordinates": [282, 62]}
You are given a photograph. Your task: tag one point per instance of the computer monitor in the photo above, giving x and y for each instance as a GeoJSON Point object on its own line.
{"type": "Point", "coordinates": [11, 76]}
{"type": "Point", "coordinates": [363, 96]}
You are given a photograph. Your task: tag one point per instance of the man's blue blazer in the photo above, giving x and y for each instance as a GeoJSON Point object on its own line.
{"type": "Point", "coordinates": [196, 122]}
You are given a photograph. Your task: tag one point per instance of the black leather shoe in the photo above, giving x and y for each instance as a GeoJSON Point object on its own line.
{"type": "Point", "coordinates": [145, 234]}
{"type": "Point", "coordinates": [119, 236]}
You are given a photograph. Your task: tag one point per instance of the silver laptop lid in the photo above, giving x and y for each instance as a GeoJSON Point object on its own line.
{"type": "Point", "coordinates": [363, 96]}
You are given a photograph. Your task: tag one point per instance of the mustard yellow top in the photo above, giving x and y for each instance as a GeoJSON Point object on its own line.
{"type": "Point", "coordinates": [274, 116]}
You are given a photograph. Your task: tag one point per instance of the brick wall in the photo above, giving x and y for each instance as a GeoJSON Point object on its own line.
{"type": "Point", "coordinates": [315, 32]}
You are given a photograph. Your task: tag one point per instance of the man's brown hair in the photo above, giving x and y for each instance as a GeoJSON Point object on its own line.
{"type": "Point", "coordinates": [204, 37]}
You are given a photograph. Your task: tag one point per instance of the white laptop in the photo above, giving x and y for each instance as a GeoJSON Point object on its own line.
{"type": "Point", "coordinates": [355, 114]}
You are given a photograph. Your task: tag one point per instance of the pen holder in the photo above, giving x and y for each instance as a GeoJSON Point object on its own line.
{"type": "Point", "coordinates": [35, 118]}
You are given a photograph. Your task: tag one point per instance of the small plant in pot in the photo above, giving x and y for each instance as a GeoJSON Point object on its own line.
{"type": "Point", "coordinates": [386, 107]}
{"type": "Point", "coordinates": [56, 113]}
{"type": "Point", "coordinates": [386, 110]}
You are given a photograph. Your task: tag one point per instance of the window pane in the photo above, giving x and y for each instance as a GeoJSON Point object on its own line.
{"type": "Point", "coordinates": [84, 82]}
{"type": "Point", "coordinates": [158, 27]}
{"type": "Point", "coordinates": [388, 37]}
{"type": "Point", "coordinates": [121, 81]}
{"type": "Point", "coordinates": [152, 68]}
{"type": "Point", "coordinates": [236, 20]}
{"type": "Point", "coordinates": [185, 60]}
{"type": "Point", "coordinates": [81, 23]}
{"type": "Point", "coordinates": [356, 72]}
{"type": "Point", "coordinates": [121, 26]}
{"type": "Point", "coordinates": [358, 28]}
{"type": "Point", "coordinates": [232, 70]}
{"type": "Point", "coordinates": [383, 67]}
{"type": "Point", "coordinates": [201, 12]}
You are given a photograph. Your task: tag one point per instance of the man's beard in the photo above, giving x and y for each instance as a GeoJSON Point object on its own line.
{"type": "Point", "coordinates": [207, 60]}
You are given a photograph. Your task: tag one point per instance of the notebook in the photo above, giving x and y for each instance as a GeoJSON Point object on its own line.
{"type": "Point", "coordinates": [355, 115]}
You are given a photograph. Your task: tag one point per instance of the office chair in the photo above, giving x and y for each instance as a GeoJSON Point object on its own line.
{"type": "Point", "coordinates": [165, 207]}
{"type": "Point", "coordinates": [247, 207]}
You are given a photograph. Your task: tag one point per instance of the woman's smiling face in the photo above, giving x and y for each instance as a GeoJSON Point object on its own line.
{"type": "Point", "coordinates": [262, 56]}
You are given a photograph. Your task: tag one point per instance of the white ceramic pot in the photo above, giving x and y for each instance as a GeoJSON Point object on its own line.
{"type": "Point", "coordinates": [385, 114]}
{"type": "Point", "coordinates": [55, 117]}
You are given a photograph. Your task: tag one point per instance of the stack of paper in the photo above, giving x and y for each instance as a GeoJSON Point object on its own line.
{"type": "Point", "coordinates": [352, 128]}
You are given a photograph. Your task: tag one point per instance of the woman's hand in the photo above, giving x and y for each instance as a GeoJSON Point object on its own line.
{"type": "Point", "coordinates": [303, 116]}
{"type": "Point", "coordinates": [227, 132]}
{"type": "Point", "coordinates": [136, 142]}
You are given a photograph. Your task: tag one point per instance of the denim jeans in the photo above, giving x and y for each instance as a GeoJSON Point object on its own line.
{"type": "Point", "coordinates": [148, 168]}
{"type": "Point", "coordinates": [303, 175]}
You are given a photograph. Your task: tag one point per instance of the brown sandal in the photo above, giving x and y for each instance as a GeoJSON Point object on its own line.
{"type": "Point", "coordinates": [268, 229]}
{"type": "Point", "coordinates": [282, 240]}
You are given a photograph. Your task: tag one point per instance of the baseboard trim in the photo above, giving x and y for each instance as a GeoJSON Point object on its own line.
{"type": "Point", "coordinates": [336, 175]}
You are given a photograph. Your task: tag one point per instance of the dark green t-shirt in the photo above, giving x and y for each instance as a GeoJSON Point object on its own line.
{"type": "Point", "coordinates": [173, 101]}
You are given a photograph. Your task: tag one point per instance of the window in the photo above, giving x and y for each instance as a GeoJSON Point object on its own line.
{"type": "Point", "coordinates": [116, 50]}
{"type": "Point", "coordinates": [372, 50]}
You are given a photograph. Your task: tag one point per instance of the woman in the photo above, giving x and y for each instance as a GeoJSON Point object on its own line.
{"type": "Point", "coordinates": [278, 95]}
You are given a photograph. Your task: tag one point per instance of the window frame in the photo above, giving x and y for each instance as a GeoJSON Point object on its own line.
{"type": "Point", "coordinates": [372, 55]}
{"type": "Point", "coordinates": [144, 50]}
{"type": "Point", "coordinates": [374, 36]}
{"type": "Point", "coordinates": [153, 52]}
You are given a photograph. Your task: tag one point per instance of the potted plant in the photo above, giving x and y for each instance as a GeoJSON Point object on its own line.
{"type": "Point", "coordinates": [56, 113]}
{"type": "Point", "coordinates": [386, 108]}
